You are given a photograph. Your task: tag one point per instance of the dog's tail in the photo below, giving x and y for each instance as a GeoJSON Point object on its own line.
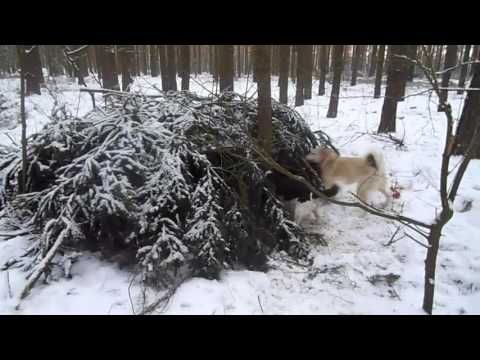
{"type": "Point", "coordinates": [375, 159]}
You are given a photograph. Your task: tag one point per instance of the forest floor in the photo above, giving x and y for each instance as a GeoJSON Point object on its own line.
{"type": "Point", "coordinates": [359, 272]}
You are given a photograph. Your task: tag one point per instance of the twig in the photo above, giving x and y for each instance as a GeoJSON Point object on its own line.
{"type": "Point", "coordinates": [390, 242]}
{"type": "Point", "coordinates": [260, 303]}
{"type": "Point", "coordinates": [163, 299]}
{"type": "Point", "coordinates": [9, 289]}
{"type": "Point", "coordinates": [418, 242]}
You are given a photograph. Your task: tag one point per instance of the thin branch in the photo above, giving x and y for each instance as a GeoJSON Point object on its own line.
{"type": "Point", "coordinates": [418, 242]}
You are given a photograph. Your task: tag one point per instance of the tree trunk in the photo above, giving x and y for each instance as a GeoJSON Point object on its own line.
{"type": "Point", "coordinates": [470, 118]}
{"type": "Point", "coordinates": [412, 54]}
{"type": "Point", "coordinates": [171, 68]}
{"type": "Point", "coordinates": [264, 120]}
{"type": "Point", "coordinates": [450, 61]}
{"type": "Point", "coordinates": [226, 68]}
{"type": "Point", "coordinates": [431, 260]}
{"type": "Point", "coordinates": [475, 56]}
{"type": "Point", "coordinates": [355, 64]}
{"type": "Point", "coordinates": [337, 61]}
{"type": "Point", "coordinates": [300, 88]}
{"type": "Point", "coordinates": [373, 61]}
{"type": "Point", "coordinates": [293, 63]}
{"type": "Point", "coordinates": [397, 73]}
{"type": "Point", "coordinates": [284, 67]}
{"type": "Point", "coordinates": [29, 60]}
{"type": "Point", "coordinates": [109, 74]}
{"type": "Point", "coordinates": [126, 57]}
{"type": "Point", "coordinates": [308, 71]}
{"type": "Point", "coordinates": [438, 57]}
{"type": "Point", "coordinates": [379, 75]}
{"type": "Point", "coordinates": [77, 63]}
{"type": "Point", "coordinates": [239, 60]}
{"type": "Point", "coordinates": [23, 116]}
{"type": "Point", "coordinates": [185, 66]}
{"type": "Point", "coordinates": [323, 69]}
{"type": "Point", "coordinates": [154, 60]}
{"type": "Point", "coordinates": [162, 50]}
{"type": "Point", "coordinates": [464, 69]}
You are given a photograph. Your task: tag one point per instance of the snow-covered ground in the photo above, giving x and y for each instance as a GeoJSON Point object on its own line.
{"type": "Point", "coordinates": [358, 273]}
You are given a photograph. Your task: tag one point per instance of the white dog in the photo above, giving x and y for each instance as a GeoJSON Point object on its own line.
{"type": "Point", "coordinates": [368, 171]}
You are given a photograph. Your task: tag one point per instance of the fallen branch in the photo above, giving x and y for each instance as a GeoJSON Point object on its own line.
{"type": "Point", "coordinates": [41, 267]}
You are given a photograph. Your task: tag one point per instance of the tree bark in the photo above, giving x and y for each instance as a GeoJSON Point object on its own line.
{"type": "Point", "coordinates": [464, 69]}
{"type": "Point", "coordinates": [397, 73]}
{"type": "Point", "coordinates": [355, 64]}
{"type": "Point", "coordinates": [323, 69]}
{"type": "Point", "coordinates": [226, 68]}
{"type": "Point", "coordinates": [308, 71]}
{"type": "Point", "coordinates": [23, 181]}
{"type": "Point", "coordinates": [438, 57]}
{"type": "Point", "coordinates": [108, 68]}
{"type": "Point", "coordinates": [475, 56]}
{"type": "Point", "coordinates": [126, 57]}
{"type": "Point", "coordinates": [30, 63]}
{"type": "Point", "coordinates": [450, 61]}
{"type": "Point", "coordinates": [171, 68]}
{"type": "Point", "coordinates": [373, 61]}
{"type": "Point", "coordinates": [264, 120]}
{"type": "Point", "coordinates": [284, 67]}
{"type": "Point", "coordinates": [154, 60]}
{"type": "Point", "coordinates": [379, 75]}
{"type": "Point", "coordinates": [301, 74]}
{"type": "Point", "coordinates": [162, 50]}
{"type": "Point", "coordinates": [412, 54]}
{"type": "Point", "coordinates": [185, 66]}
{"type": "Point", "coordinates": [337, 61]}
{"type": "Point", "coordinates": [470, 118]}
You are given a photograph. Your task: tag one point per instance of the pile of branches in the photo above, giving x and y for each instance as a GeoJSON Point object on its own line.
{"type": "Point", "coordinates": [170, 181]}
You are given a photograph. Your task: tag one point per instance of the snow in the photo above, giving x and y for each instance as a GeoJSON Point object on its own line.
{"type": "Point", "coordinates": [359, 244]}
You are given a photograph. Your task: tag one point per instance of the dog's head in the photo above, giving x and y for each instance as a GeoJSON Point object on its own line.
{"type": "Point", "coordinates": [321, 156]}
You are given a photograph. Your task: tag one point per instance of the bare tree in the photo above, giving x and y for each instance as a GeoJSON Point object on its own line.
{"type": "Point", "coordinates": [171, 68]}
{"type": "Point", "coordinates": [23, 64]}
{"type": "Point", "coordinates": [29, 58]}
{"type": "Point", "coordinates": [379, 75]}
{"type": "Point", "coordinates": [475, 56]}
{"type": "Point", "coordinates": [126, 59]}
{"type": "Point", "coordinates": [75, 55]}
{"type": "Point", "coordinates": [301, 74]}
{"type": "Point", "coordinates": [397, 73]}
{"type": "Point", "coordinates": [373, 61]}
{"type": "Point", "coordinates": [154, 60]}
{"type": "Point", "coordinates": [162, 50]}
{"type": "Point", "coordinates": [450, 61]}
{"type": "Point", "coordinates": [448, 193]}
{"type": "Point", "coordinates": [464, 69]}
{"type": "Point", "coordinates": [226, 67]}
{"type": "Point", "coordinates": [308, 71]}
{"type": "Point", "coordinates": [264, 120]}
{"type": "Point", "coordinates": [470, 119]}
{"type": "Point", "coordinates": [412, 54]}
{"type": "Point", "coordinates": [323, 69]}
{"type": "Point", "coordinates": [337, 62]}
{"type": "Point", "coordinates": [355, 64]}
{"type": "Point", "coordinates": [185, 66]}
{"type": "Point", "coordinates": [438, 57]}
{"type": "Point", "coordinates": [284, 67]}
{"type": "Point", "coordinates": [106, 55]}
